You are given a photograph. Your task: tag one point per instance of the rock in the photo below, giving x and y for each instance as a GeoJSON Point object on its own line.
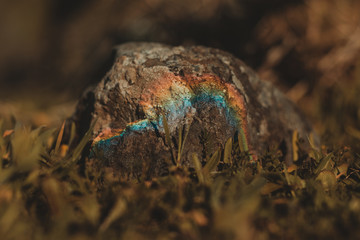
{"type": "Point", "coordinates": [203, 91]}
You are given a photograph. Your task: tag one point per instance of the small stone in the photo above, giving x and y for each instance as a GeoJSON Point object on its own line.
{"type": "Point", "coordinates": [206, 91]}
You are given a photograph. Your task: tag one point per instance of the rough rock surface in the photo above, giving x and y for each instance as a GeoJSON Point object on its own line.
{"type": "Point", "coordinates": [205, 91]}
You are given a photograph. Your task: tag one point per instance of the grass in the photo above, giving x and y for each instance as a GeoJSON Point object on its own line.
{"type": "Point", "coordinates": [50, 190]}
{"type": "Point", "coordinates": [47, 192]}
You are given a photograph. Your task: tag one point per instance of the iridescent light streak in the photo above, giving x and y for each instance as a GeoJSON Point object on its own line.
{"type": "Point", "coordinates": [177, 98]}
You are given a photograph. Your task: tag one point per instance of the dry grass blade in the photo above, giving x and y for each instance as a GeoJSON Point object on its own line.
{"type": "Point", "coordinates": [227, 151]}
{"type": "Point", "coordinates": [295, 148]}
{"type": "Point", "coordinates": [198, 168]}
{"type": "Point", "coordinates": [28, 147]}
{"type": "Point", "coordinates": [2, 141]}
{"type": "Point", "coordinates": [90, 208]}
{"type": "Point", "coordinates": [53, 192]}
{"type": "Point", "coordinates": [116, 212]}
{"type": "Point", "coordinates": [72, 133]}
{"type": "Point", "coordinates": [314, 153]}
{"type": "Point", "coordinates": [324, 163]}
{"type": "Point", "coordinates": [79, 148]}
{"type": "Point", "coordinates": [242, 141]}
{"type": "Point", "coordinates": [212, 163]}
{"type": "Point", "coordinates": [59, 138]}
{"type": "Point", "coordinates": [168, 138]}
{"type": "Point", "coordinates": [182, 141]}
{"type": "Point", "coordinates": [179, 146]}
{"type": "Point", "coordinates": [187, 130]}
{"type": "Point", "coordinates": [289, 180]}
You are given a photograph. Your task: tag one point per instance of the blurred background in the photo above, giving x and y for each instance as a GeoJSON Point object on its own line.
{"type": "Point", "coordinates": [50, 51]}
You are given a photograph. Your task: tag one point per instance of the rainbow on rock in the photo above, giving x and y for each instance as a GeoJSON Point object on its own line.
{"type": "Point", "coordinates": [177, 98]}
